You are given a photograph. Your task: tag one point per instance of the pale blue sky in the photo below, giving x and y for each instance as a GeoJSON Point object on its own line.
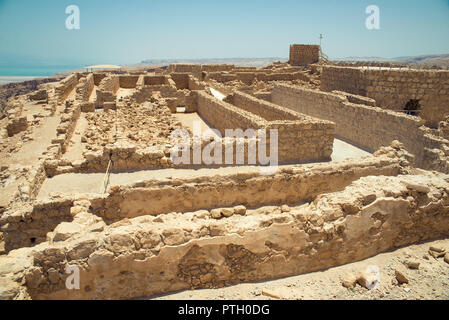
{"type": "Point", "coordinates": [124, 32]}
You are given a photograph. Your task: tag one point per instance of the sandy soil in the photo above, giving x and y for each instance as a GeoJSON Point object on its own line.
{"type": "Point", "coordinates": [75, 149]}
{"type": "Point", "coordinates": [343, 150]}
{"type": "Point", "coordinates": [33, 149]}
{"type": "Point", "coordinates": [188, 119]}
{"type": "Point", "coordinates": [122, 93]}
{"type": "Point", "coordinates": [217, 94]}
{"type": "Point", "coordinates": [429, 281]}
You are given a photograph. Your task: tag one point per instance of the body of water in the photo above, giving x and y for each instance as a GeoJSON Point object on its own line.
{"type": "Point", "coordinates": [9, 74]}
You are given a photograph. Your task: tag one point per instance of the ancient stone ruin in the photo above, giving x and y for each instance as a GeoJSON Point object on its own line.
{"type": "Point", "coordinates": [89, 180]}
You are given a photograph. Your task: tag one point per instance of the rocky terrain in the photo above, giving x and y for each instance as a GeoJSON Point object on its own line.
{"type": "Point", "coordinates": [16, 89]}
{"type": "Point", "coordinates": [416, 272]}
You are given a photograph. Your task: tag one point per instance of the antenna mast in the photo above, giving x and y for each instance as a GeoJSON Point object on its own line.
{"type": "Point", "coordinates": [322, 55]}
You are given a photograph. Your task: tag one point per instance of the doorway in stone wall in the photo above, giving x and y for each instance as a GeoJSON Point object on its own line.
{"type": "Point", "coordinates": [413, 107]}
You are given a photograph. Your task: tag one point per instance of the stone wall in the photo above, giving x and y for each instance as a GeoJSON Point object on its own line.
{"type": "Point", "coordinates": [367, 127]}
{"type": "Point", "coordinates": [353, 98]}
{"type": "Point", "coordinates": [221, 115]}
{"type": "Point", "coordinates": [266, 110]}
{"type": "Point", "coordinates": [29, 225]}
{"type": "Point", "coordinates": [65, 129]}
{"type": "Point", "coordinates": [194, 69]}
{"type": "Point", "coordinates": [394, 88]}
{"type": "Point", "coordinates": [157, 255]}
{"type": "Point", "coordinates": [65, 87]}
{"type": "Point", "coordinates": [98, 77]}
{"type": "Point", "coordinates": [84, 88]}
{"type": "Point", "coordinates": [301, 54]}
{"type": "Point", "coordinates": [248, 77]}
{"type": "Point", "coordinates": [264, 95]}
{"type": "Point", "coordinates": [110, 84]}
{"type": "Point", "coordinates": [156, 80]}
{"type": "Point", "coordinates": [167, 91]}
{"type": "Point", "coordinates": [195, 84]}
{"type": "Point", "coordinates": [220, 76]}
{"type": "Point", "coordinates": [181, 80]}
{"type": "Point", "coordinates": [106, 91]}
{"type": "Point", "coordinates": [128, 81]}
{"type": "Point", "coordinates": [217, 67]}
{"type": "Point", "coordinates": [16, 125]}
{"type": "Point", "coordinates": [300, 138]}
{"type": "Point", "coordinates": [299, 184]}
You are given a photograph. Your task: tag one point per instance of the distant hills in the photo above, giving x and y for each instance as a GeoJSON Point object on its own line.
{"type": "Point", "coordinates": [441, 60]}
{"type": "Point", "coordinates": [244, 62]}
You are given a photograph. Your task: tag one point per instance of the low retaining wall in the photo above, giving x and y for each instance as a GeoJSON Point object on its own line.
{"type": "Point", "coordinates": [302, 183]}
{"type": "Point", "coordinates": [150, 256]}
{"type": "Point", "coordinates": [29, 226]}
{"type": "Point", "coordinates": [291, 186]}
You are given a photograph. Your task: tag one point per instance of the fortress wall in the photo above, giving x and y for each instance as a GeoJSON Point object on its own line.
{"type": "Point", "coordinates": [393, 89]}
{"type": "Point", "coordinates": [106, 91]}
{"type": "Point", "coordinates": [353, 98]}
{"type": "Point", "coordinates": [65, 87]}
{"type": "Point", "coordinates": [167, 91]}
{"type": "Point", "coordinates": [195, 84]}
{"type": "Point", "coordinates": [68, 124]}
{"type": "Point", "coordinates": [343, 79]}
{"type": "Point", "coordinates": [98, 77]}
{"type": "Point", "coordinates": [194, 69]}
{"type": "Point", "coordinates": [283, 76]}
{"type": "Point", "coordinates": [248, 77]}
{"type": "Point", "coordinates": [110, 84]}
{"type": "Point", "coordinates": [128, 81]}
{"type": "Point", "coordinates": [300, 137]}
{"type": "Point", "coordinates": [217, 67]}
{"type": "Point", "coordinates": [84, 88]}
{"type": "Point", "coordinates": [181, 80]}
{"type": "Point", "coordinates": [268, 111]}
{"type": "Point", "coordinates": [221, 115]}
{"type": "Point", "coordinates": [220, 77]}
{"type": "Point", "coordinates": [155, 80]}
{"type": "Point", "coordinates": [304, 54]}
{"type": "Point", "coordinates": [263, 95]}
{"type": "Point", "coordinates": [367, 127]}
{"type": "Point", "coordinates": [29, 226]}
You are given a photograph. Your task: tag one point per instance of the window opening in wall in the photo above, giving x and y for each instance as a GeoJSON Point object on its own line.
{"type": "Point", "coordinates": [180, 109]}
{"type": "Point", "coordinates": [413, 107]}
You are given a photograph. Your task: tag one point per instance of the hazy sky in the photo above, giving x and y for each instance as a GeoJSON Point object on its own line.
{"type": "Point", "coordinates": [120, 32]}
